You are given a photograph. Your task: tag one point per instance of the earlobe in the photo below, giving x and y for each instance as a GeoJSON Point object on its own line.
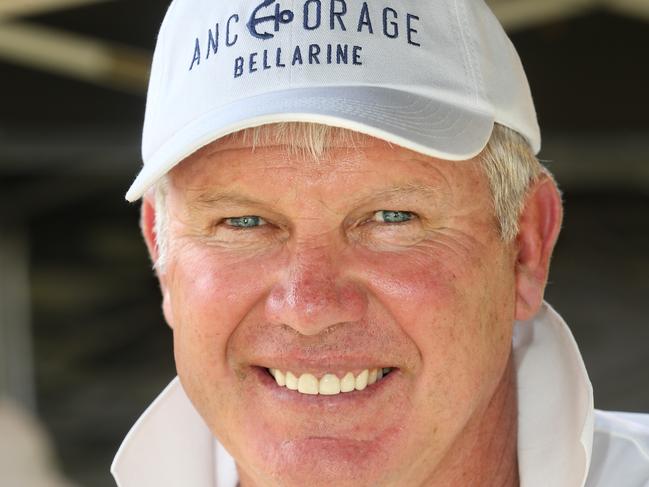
{"type": "Point", "coordinates": [539, 226]}
{"type": "Point", "coordinates": [166, 306]}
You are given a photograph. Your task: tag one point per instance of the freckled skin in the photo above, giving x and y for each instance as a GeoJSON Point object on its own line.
{"type": "Point", "coordinates": [434, 298]}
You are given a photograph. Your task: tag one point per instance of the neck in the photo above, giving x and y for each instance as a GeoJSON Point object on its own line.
{"type": "Point", "coordinates": [486, 453]}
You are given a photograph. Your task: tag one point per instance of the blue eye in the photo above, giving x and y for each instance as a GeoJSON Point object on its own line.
{"type": "Point", "coordinates": [388, 216]}
{"type": "Point", "coordinates": [245, 222]}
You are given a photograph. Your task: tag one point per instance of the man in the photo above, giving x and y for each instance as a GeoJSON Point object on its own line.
{"type": "Point", "coordinates": [352, 236]}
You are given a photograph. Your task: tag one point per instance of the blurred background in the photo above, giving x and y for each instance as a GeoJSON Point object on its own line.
{"type": "Point", "coordinates": [83, 347]}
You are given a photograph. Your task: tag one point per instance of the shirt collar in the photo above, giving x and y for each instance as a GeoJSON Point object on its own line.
{"type": "Point", "coordinates": [555, 403]}
{"type": "Point", "coordinates": [170, 444]}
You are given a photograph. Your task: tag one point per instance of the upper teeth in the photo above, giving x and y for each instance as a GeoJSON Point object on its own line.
{"type": "Point", "coordinates": [329, 384]}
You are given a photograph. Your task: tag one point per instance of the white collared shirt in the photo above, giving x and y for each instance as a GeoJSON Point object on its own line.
{"type": "Point", "coordinates": [562, 440]}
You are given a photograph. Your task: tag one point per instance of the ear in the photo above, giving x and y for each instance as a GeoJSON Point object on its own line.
{"type": "Point", "coordinates": [147, 224]}
{"type": "Point", "coordinates": [539, 226]}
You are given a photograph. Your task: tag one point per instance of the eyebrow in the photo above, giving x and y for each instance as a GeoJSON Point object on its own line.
{"type": "Point", "coordinates": [215, 198]}
{"type": "Point", "coordinates": [229, 198]}
{"type": "Point", "coordinates": [409, 189]}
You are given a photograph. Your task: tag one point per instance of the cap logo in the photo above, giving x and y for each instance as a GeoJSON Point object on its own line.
{"type": "Point", "coordinates": [266, 21]}
{"type": "Point", "coordinates": [280, 17]}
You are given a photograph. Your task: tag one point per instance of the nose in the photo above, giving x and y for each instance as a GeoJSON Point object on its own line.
{"type": "Point", "coordinates": [313, 294]}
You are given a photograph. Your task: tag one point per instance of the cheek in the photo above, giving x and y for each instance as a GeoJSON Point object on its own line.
{"type": "Point", "coordinates": [454, 299]}
{"type": "Point", "coordinates": [456, 306]}
{"type": "Point", "coordinates": [433, 279]}
{"type": "Point", "coordinates": [211, 293]}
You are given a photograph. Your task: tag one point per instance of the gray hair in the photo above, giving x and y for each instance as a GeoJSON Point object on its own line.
{"type": "Point", "coordinates": [508, 162]}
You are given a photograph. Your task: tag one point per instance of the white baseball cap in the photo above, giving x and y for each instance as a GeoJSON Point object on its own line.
{"type": "Point", "coordinates": [429, 75]}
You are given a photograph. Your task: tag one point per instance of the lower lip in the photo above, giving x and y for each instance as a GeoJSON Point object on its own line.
{"type": "Point", "coordinates": [355, 398]}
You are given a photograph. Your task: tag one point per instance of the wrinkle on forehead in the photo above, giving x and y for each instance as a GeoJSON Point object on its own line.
{"type": "Point", "coordinates": [285, 153]}
{"type": "Point", "coordinates": [344, 154]}
{"type": "Point", "coordinates": [303, 142]}
{"type": "Point", "coordinates": [203, 187]}
{"type": "Point", "coordinates": [392, 193]}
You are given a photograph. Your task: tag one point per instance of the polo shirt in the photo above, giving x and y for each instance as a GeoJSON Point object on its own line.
{"type": "Point", "coordinates": [562, 440]}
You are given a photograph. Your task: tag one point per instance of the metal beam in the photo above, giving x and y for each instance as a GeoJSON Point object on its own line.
{"type": "Point", "coordinates": [594, 162]}
{"type": "Point", "coordinates": [18, 8]}
{"type": "Point", "coordinates": [102, 151]}
{"type": "Point", "coordinates": [634, 8]}
{"type": "Point", "coordinates": [101, 62]}
{"type": "Point", "coordinates": [521, 14]}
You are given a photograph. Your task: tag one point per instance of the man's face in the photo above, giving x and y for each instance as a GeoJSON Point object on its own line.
{"type": "Point", "coordinates": [371, 257]}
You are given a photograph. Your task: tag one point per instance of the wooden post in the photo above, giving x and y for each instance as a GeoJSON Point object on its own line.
{"type": "Point", "coordinates": [16, 355]}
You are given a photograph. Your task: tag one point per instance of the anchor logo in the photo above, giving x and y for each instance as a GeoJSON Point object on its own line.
{"type": "Point", "coordinates": [280, 17]}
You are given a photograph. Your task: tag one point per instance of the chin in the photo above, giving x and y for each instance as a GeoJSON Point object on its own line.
{"type": "Point", "coordinates": [319, 461]}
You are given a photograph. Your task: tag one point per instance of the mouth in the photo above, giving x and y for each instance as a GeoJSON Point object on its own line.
{"type": "Point", "coordinates": [328, 384]}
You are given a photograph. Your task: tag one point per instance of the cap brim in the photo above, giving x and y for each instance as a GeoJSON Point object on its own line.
{"type": "Point", "coordinates": [433, 127]}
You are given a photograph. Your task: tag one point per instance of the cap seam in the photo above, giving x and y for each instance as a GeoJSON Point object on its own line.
{"type": "Point", "coordinates": [480, 83]}
{"type": "Point", "coordinates": [292, 31]}
{"type": "Point", "coordinates": [467, 58]}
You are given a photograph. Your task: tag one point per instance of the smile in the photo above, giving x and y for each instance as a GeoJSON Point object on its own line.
{"type": "Point", "coordinates": [328, 384]}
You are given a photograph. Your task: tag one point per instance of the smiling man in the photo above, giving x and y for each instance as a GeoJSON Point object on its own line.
{"type": "Point", "coordinates": [352, 235]}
